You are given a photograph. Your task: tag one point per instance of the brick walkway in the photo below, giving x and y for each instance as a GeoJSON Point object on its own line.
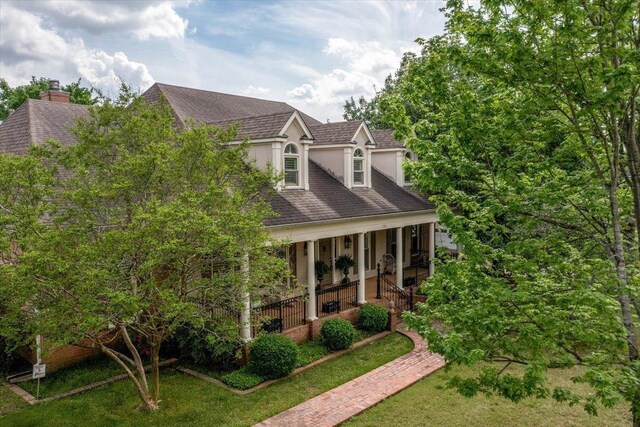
{"type": "Point", "coordinates": [343, 402]}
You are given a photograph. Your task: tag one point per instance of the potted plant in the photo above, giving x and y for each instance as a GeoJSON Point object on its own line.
{"type": "Point", "coordinates": [344, 263]}
{"type": "Point", "coordinates": [322, 268]}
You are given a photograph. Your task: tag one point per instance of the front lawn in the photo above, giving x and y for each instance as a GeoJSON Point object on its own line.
{"type": "Point", "coordinates": [79, 375]}
{"type": "Point", "coordinates": [191, 401]}
{"type": "Point", "coordinates": [427, 403]}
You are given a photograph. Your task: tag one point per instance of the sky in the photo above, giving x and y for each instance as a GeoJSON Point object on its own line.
{"type": "Point", "coordinates": [311, 54]}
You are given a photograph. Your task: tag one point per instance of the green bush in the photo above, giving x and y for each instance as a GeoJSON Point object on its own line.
{"type": "Point", "coordinates": [8, 356]}
{"type": "Point", "coordinates": [242, 379]}
{"type": "Point", "coordinates": [373, 318]}
{"type": "Point", "coordinates": [337, 334]}
{"type": "Point", "coordinates": [272, 355]}
{"type": "Point", "coordinates": [213, 344]}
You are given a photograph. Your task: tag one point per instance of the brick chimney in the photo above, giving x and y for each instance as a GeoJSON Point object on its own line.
{"type": "Point", "coordinates": [54, 93]}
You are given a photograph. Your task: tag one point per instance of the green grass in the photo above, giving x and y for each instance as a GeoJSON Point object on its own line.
{"type": "Point", "coordinates": [82, 374]}
{"type": "Point", "coordinates": [9, 402]}
{"type": "Point", "coordinates": [429, 403]}
{"type": "Point", "coordinates": [310, 351]}
{"type": "Point", "coordinates": [190, 401]}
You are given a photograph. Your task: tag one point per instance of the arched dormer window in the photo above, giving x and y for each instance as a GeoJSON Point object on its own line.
{"type": "Point", "coordinates": [407, 176]}
{"type": "Point", "coordinates": [358, 167]}
{"type": "Point", "coordinates": [291, 166]}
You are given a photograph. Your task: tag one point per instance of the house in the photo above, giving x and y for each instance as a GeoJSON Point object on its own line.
{"type": "Point", "coordinates": [344, 192]}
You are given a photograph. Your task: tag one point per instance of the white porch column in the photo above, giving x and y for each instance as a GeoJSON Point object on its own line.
{"type": "Point", "coordinates": [399, 260]}
{"type": "Point", "coordinates": [245, 313]}
{"type": "Point", "coordinates": [311, 280]}
{"type": "Point", "coordinates": [361, 279]}
{"type": "Point", "coordinates": [432, 247]}
{"type": "Point", "coordinates": [334, 276]}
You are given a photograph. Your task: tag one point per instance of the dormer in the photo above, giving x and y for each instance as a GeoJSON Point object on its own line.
{"type": "Point", "coordinates": [344, 150]}
{"type": "Point", "coordinates": [390, 155]}
{"type": "Point", "coordinates": [281, 140]}
{"type": "Point", "coordinates": [294, 153]}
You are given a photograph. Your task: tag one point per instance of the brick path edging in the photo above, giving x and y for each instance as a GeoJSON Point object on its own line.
{"type": "Point", "coordinates": [343, 402]}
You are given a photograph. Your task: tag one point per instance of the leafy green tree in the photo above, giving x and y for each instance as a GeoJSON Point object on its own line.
{"type": "Point", "coordinates": [524, 118]}
{"type": "Point", "coordinates": [107, 238]}
{"type": "Point", "coordinates": [12, 98]}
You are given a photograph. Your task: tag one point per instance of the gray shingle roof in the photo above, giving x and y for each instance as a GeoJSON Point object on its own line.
{"type": "Point", "coordinates": [328, 199]}
{"type": "Point", "coordinates": [259, 126]}
{"type": "Point", "coordinates": [384, 139]}
{"type": "Point", "coordinates": [36, 121]}
{"type": "Point", "coordinates": [208, 107]}
{"type": "Point", "coordinates": [334, 133]}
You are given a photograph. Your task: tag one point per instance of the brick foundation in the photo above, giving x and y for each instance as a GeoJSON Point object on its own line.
{"type": "Point", "coordinates": [66, 355]}
{"type": "Point", "coordinates": [311, 330]}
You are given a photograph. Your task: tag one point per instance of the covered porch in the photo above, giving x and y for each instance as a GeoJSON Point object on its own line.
{"type": "Point", "coordinates": [410, 247]}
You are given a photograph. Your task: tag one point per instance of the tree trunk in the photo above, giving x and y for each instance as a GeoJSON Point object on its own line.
{"type": "Point", "coordinates": [621, 272]}
{"type": "Point", "coordinates": [141, 388]}
{"type": "Point", "coordinates": [155, 370]}
{"type": "Point", "coordinates": [148, 397]}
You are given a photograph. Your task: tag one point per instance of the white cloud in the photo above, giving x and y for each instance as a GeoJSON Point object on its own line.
{"type": "Point", "coordinates": [143, 19]}
{"type": "Point", "coordinates": [27, 48]}
{"type": "Point", "coordinates": [364, 69]}
{"type": "Point", "coordinates": [334, 87]}
{"type": "Point", "coordinates": [256, 90]}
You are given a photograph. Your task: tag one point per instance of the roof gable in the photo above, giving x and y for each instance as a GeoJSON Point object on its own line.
{"type": "Point", "coordinates": [297, 120]}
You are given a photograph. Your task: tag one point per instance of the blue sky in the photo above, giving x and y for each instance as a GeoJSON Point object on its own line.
{"type": "Point", "coordinates": [312, 54]}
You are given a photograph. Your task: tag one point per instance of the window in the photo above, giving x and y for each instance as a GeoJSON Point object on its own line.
{"type": "Point", "coordinates": [407, 176]}
{"type": "Point", "coordinates": [358, 167]}
{"type": "Point", "coordinates": [291, 165]}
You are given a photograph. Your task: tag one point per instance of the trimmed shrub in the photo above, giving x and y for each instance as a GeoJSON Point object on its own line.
{"type": "Point", "coordinates": [215, 343]}
{"type": "Point", "coordinates": [242, 379]}
{"type": "Point", "coordinates": [337, 334]}
{"type": "Point", "coordinates": [373, 318]}
{"type": "Point", "coordinates": [272, 355]}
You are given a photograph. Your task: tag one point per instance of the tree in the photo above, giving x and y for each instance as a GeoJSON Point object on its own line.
{"type": "Point", "coordinates": [106, 239]}
{"type": "Point", "coordinates": [524, 119]}
{"type": "Point", "coordinates": [12, 98]}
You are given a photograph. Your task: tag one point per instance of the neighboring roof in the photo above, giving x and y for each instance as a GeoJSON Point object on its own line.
{"type": "Point", "coordinates": [209, 107]}
{"type": "Point", "coordinates": [335, 133]}
{"type": "Point", "coordinates": [384, 139]}
{"type": "Point", "coordinates": [328, 199]}
{"type": "Point", "coordinates": [36, 122]}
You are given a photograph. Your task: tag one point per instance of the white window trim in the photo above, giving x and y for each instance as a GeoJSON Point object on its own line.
{"type": "Point", "coordinates": [363, 171]}
{"type": "Point", "coordinates": [296, 156]}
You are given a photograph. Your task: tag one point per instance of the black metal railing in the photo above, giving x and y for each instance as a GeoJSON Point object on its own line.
{"type": "Point", "coordinates": [402, 299]}
{"type": "Point", "coordinates": [218, 311]}
{"type": "Point", "coordinates": [336, 298]}
{"type": "Point", "coordinates": [280, 315]}
{"type": "Point", "coordinates": [414, 275]}
{"type": "Point", "coordinates": [420, 257]}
